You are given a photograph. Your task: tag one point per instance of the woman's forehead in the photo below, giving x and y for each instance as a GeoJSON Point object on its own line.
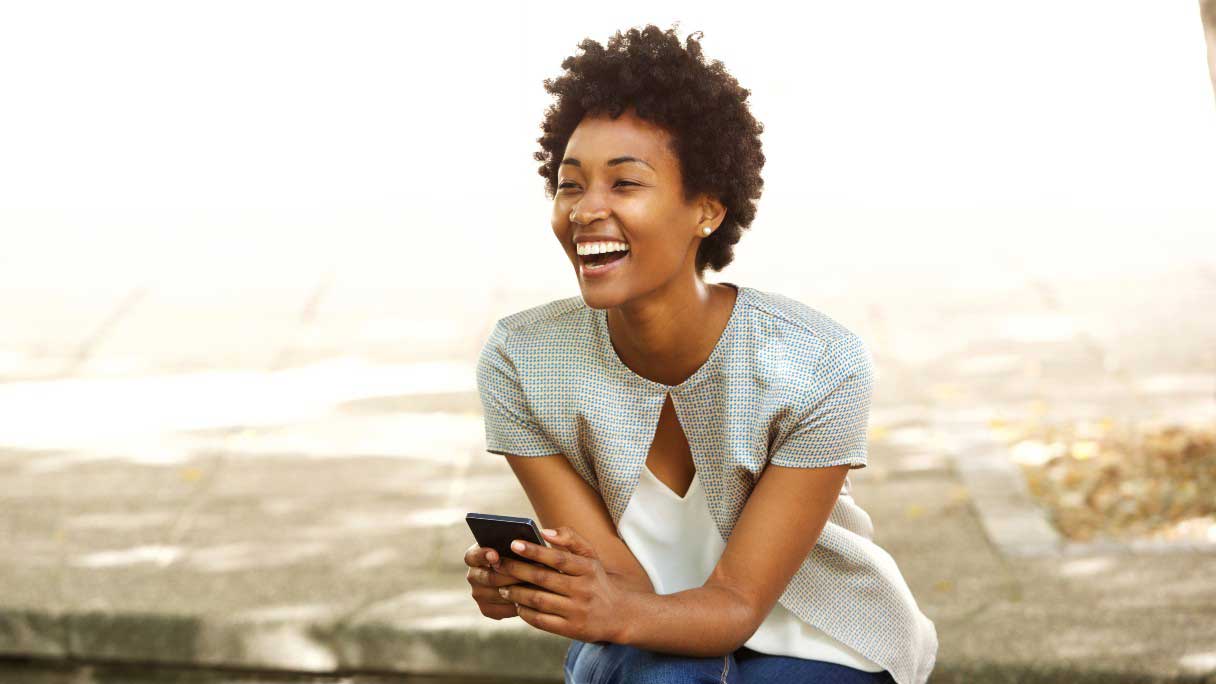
{"type": "Point", "coordinates": [596, 142]}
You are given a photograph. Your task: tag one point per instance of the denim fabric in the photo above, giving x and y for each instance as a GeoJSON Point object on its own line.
{"type": "Point", "coordinates": [608, 663]}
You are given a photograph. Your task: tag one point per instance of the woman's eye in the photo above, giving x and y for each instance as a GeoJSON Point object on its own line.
{"type": "Point", "coordinates": [624, 182]}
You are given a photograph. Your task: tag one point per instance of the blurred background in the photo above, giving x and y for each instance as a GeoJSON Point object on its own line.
{"type": "Point", "coordinates": [250, 252]}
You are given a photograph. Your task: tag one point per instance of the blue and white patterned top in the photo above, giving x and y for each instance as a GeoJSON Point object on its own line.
{"type": "Point", "coordinates": [785, 384]}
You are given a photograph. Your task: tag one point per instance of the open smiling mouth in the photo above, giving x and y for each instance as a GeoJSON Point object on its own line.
{"type": "Point", "coordinates": [600, 260]}
{"type": "Point", "coordinates": [597, 265]}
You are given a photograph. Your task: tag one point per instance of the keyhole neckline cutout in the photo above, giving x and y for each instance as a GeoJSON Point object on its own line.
{"type": "Point", "coordinates": [614, 359]}
{"type": "Point", "coordinates": [687, 493]}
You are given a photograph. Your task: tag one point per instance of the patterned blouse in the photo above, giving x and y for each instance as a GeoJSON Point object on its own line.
{"type": "Point", "coordinates": [785, 384]}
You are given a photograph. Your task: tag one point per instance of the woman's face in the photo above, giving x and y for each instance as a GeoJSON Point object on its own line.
{"type": "Point", "coordinates": [639, 203]}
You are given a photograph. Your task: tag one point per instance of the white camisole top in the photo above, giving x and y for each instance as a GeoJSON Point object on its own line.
{"type": "Point", "coordinates": [678, 545]}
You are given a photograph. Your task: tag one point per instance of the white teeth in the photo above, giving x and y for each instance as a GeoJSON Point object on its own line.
{"type": "Point", "coordinates": [601, 247]}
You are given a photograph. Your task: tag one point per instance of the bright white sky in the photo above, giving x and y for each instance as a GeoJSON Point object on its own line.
{"type": "Point", "coordinates": [392, 141]}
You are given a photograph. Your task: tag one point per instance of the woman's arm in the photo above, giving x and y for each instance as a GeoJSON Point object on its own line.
{"type": "Point", "coordinates": [780, 524]}
{"type": "Point", "coordinates": [560, 496]}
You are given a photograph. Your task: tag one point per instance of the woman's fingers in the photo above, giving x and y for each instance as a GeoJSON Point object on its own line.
{"type": "Point", "coordinates": [557, 558]}
{"type": "Point", "coordinates": [471, 554]}
{"type": "Point", "coordinates": [480, 556]}
{"type": "Point", "coordinates": [565, 536]}
{"type": "Point", "coordinates": [491, 604]}
{"type": "Point", "coordinates": [489, 595]}
{"type": "Point", "coordinates": [488, 556]}
{"type": "Point", "coordinates": [537, 599]}
{"type": "Point", "coordinates": [499, 612]}
{"type": "Point", "coordinates": [488, 577]}
{"type": "Point", "coordinates": [486, 582]}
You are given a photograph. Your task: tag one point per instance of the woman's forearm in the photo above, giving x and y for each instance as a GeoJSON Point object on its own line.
{"type": "Point", "coordinates": [704, 622]}
{"type": "Point", "coordinates": [639, 582]}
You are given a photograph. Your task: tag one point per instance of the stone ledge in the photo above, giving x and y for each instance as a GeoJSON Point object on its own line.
{"type": "Point", "coordinates": [1023, 619]}
{"type": "Point", "coordinates": [449, 652]}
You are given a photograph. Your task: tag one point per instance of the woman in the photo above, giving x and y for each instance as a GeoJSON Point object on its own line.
{"type": "Point", "coordinates": [688, 443]}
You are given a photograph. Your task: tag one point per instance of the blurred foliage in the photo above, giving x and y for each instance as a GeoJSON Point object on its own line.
{"type": "Point", "coordinates": [1102, 479]}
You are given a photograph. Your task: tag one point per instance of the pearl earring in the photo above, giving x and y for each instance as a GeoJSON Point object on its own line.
{"type": "Point", "coordinates": [706, 230]}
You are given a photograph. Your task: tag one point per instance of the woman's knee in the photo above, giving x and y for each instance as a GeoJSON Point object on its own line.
{"type": "Point", "coordinates": [607, 663]}
{"type": "Point", "coordinates": [649, 667]}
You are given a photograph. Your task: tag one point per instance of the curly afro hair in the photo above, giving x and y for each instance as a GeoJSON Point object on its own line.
{"type": "Point", "coordinates": [714, 135]}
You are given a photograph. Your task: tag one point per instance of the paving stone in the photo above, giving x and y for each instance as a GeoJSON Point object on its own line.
{"type": "Point", "coordinates": [248, 553]}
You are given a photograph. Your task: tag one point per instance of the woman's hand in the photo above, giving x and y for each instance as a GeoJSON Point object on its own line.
{"type": "Point", "coordinates": [574, 596]}
{"type": "Point", "coordinates": [485, 581]}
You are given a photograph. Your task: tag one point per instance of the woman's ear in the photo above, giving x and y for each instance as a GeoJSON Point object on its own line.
{"type": "Point", "coordinates": [712, 212]}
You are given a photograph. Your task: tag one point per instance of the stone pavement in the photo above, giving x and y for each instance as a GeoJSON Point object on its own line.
{"type": "Point", "coordinates": [309, 519]}
{"type": "Point", "coordinates": [354, 564]}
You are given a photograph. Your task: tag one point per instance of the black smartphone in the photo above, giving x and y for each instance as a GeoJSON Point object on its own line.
{"type": "Point", "coordinates": [498, 531]}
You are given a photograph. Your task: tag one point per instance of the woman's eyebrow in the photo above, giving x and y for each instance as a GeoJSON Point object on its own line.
{"type": "Point", "coordinates": [611, 162]}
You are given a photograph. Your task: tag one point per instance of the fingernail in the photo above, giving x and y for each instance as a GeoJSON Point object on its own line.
{"type": "Point", "coordinates": [517, 545]}
{"type": "Point", "coordinates": [551, 533]}
{"type": "Point", "coordinates": [502, 591]}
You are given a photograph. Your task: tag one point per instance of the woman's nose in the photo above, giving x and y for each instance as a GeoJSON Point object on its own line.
{"type": "Point", "coordinates": [585, 217]}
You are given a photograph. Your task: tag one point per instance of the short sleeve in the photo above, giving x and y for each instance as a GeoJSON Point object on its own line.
{"type": "Point", "coordinates": [511, 429]}
{"type": "Point", "coordinates": [832, 429]}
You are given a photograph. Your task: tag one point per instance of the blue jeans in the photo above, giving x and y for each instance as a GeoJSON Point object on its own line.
{"type": "Point", "coordinates": [602, 662]}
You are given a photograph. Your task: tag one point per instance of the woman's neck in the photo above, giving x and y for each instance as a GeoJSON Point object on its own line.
{"type": "Point", "coordinates": [667, 342]}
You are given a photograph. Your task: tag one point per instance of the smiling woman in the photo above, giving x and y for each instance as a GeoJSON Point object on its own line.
{"type": "Point", "coordinates": [690, 442]}
{"type": "Point", "coordinates": [649, 120]}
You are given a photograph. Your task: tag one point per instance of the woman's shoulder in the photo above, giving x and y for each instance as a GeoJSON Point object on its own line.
{"type": "Point", "coordinates": [552, 321]}
{"type": "Point", "coordinates": [801, 324]}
